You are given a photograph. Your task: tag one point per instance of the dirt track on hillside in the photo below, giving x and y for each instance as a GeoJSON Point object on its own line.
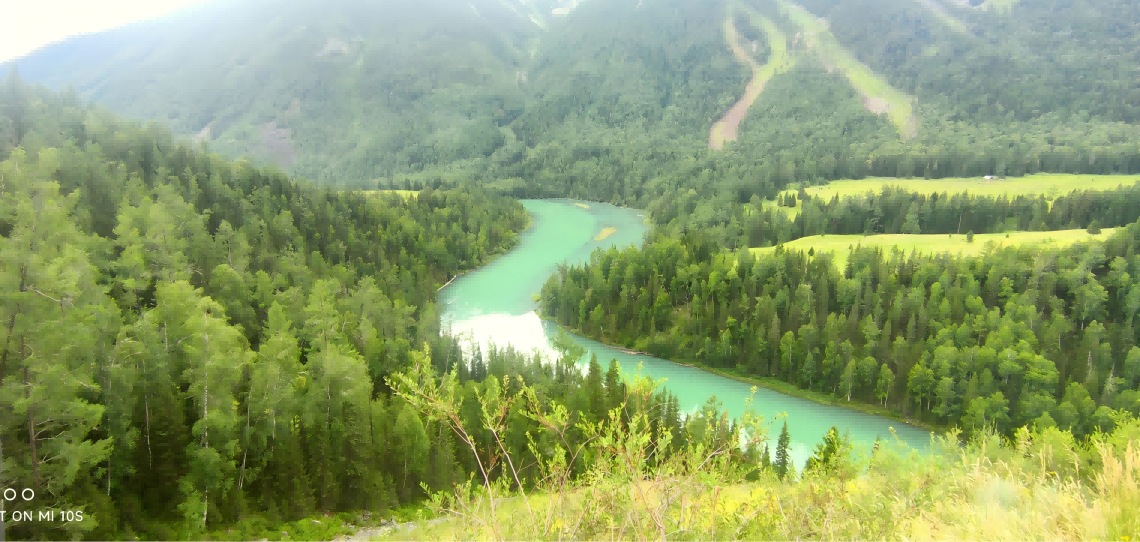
{"type": "Point", "coordinates": [725, 128]}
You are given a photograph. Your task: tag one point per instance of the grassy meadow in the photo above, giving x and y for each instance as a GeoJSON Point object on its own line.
{"type": "Point", "coordinates": [935, 243]}
{"type": "Point", "coordinates": [1049, 184]}
{"type": "Point", "coordinates": [1000, 6]}
{"type": "Point", "coordinates": [403, 193]}
{"type": "Point", "coordinates": [790, 212]}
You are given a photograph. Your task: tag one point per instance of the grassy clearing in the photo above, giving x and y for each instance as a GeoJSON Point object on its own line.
{"type": "Point", "coordinates": [1048, 184]}
{"type": "Point", "coordinates": [404, 193]}
{"type": "Point", "coordinates": [606, 232]}
{"type": "Point", "coordinates": [935, 243]}
{"type": "Point", "coordinates": [790, 212]}
{"type": "Point", "coordinates": [779, 62]}
{"type": "Point", "coordinates": [877, 93]}
{"type": "Point", "coordinates": [1000, 6]}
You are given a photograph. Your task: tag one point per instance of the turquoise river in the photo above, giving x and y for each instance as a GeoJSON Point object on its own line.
{"type": "Point", "coordinates": [495, 304]}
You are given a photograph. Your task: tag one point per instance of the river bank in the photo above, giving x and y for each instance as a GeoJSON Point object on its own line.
{"type": "Point", "coordinates": [821, 398]}
{"type": "Point", "coordinates": [495, 304]}
{"type": "Point", "coordinates": [494, 256]}
{"type": "Point", "coordinates": [779, 386]}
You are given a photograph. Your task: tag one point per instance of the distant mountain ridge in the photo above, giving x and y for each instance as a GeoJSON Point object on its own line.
{"type": "Point", "coordinates": [234, 72]}
{"type": "Point", "coordinates": [544, 94]}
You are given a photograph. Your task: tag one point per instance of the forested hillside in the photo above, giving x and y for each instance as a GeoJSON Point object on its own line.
{"type": "Point", "coordinates": [1007, 68]}
{"type": "Point", "coordinates": [196, 348]}
{"type": "Point", "coordinates": [614, 100]}
{"type": "Point", "coordinates": [189, 342]}
{"type": "Point", "coordinates": [335, 90]}
{"type": "Point", "coordinates": [1018, 336]}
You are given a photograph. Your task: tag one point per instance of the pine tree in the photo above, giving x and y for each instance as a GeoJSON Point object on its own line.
{"type": "Point", "coordinates": [910, 225]}
{"type": "Point", "coordinates": [336, 404]}
{"type": "Point", "coordinates": [17, 105]}
{"type": "Point", "coordinates": [829, 454]}
{"type": "Point", "coordinates": [217, 353]}
{"type": "Point", "coordinates": [478, 367]}
{"type": "Point", "coordinates": [442, 468]}
{"type": "Point", "coordinates": [55, 317]}
{"type": "Point", "coordinates": [594, 389]}
{"type": "Point", "coordinates": [273, 399]}
{"type": "Point", "coordinates": [782, 459]}
{"type": "Point", "coordinates": [615, 388]}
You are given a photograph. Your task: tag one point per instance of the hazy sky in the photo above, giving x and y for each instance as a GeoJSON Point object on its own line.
{"type": "Point", "coordinates": [28, 24]}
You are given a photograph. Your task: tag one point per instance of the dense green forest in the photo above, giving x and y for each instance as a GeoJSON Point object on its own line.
{"type": "Point", "coordinates": [189, 341]}
{"type": "Point", "coordinates": [1021, 335]}
{"type": "Point", "coordinates": [1009, 66]}
{"type": "Point", "coordinates": [194, 347]}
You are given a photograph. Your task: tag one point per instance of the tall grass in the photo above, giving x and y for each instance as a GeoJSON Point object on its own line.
{"type": "Point", "coordinates": [1119, 494]}
{"type": "Point", "coordinates": [1040, 485]}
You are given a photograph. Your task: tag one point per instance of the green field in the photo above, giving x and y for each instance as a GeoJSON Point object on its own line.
{"type": "Point", "coordinates": [934, 243]}
{"type": "Point", "coordinates": [404, 193]}
{"type": "Point", "coordinates": [899, 106]}
{"type": "Point", "coordinates": [1000, 6]}
{"type": "Point", "coordinates": [790, 212]}
{"type": "Point", "coordinates": [1049, 184]}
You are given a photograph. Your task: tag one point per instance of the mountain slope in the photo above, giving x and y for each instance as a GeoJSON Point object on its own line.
{"type": "Point", "coordinates": [878, 95]}
{"type": "Point", "coordinates": [297, 82]}
{"type": "Point", "coordinates": [614, 100]}
{"type": "Point", "coordinates": [157, 295]}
